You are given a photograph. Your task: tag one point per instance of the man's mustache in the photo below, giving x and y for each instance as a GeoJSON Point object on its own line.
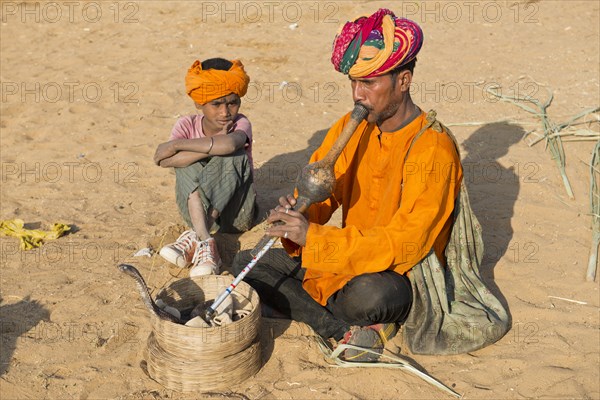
{"type": "Point", "coordinates": [369, 109]}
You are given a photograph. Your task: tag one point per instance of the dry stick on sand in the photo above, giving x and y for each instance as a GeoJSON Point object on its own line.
{"type": "Point", "coordinates": [553, 142]}
{"type": "Point", "coordinates": [552, 134]}
{"type": "Point", "coordinates": [595, 206]}
{"type": "Point", "coordinates": [553, 137]}
{"type": "Point", "coordinates": [580, 134]}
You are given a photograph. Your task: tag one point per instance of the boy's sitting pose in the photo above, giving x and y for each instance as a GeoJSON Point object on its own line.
{"type": "Point", "coordinates": [212, 156]}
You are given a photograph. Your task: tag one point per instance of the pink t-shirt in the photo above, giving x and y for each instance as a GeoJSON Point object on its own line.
{"type": "Point", "coordinates": [190, 127]}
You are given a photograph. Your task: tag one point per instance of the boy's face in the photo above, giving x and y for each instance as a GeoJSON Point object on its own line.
{"type": "Point", "coordinates": [220, 113]}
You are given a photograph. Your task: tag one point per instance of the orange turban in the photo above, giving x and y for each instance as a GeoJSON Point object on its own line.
{"type": "Point", "coordinates": [206, 85]}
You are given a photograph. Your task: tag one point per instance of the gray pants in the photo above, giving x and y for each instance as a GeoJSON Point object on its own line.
{"type": "Point", "coordinates": [225, 184]}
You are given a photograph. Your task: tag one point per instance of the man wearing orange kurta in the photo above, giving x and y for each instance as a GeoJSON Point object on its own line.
{"type": "Point", "coordinates": [397, 181]}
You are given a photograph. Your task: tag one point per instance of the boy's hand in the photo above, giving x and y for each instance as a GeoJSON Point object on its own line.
{"type": "Point", "coordinates": [164, 150]}
{"type": "Point", "coordinates": [227, 127]}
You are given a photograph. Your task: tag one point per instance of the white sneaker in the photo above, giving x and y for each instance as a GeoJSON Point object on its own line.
{"type": "Point", "coordinates": [207, 260]}
{"type": "Point", "coordinates": [181, 253]}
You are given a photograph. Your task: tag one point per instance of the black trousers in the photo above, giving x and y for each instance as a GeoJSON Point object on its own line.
{"type": "Point", "coordinates": [367, 299]}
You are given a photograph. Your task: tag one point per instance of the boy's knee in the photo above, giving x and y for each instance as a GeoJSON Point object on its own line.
{"type": "Point", "coordinates": [189, 173]}
{"type": "Point", "coordinates": [236, 161]}
{"type": "Point", "coordinates": [230, 166]}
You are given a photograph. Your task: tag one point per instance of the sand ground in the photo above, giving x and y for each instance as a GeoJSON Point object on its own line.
{"type": "Point", "coordinates": [90, 88]}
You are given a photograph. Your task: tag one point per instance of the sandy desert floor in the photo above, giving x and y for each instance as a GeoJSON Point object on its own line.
{"type": "Point", "coordinates": [90, 88]}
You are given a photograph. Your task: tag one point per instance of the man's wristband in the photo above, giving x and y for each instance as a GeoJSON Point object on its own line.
{"type": "Point", "coordinates": [212, 141]}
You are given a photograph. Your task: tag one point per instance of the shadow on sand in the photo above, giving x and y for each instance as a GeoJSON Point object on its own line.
{"type": "Point", "coordinates": [15, 320]}
{"type": "Point", "coordinates": [493, 190]}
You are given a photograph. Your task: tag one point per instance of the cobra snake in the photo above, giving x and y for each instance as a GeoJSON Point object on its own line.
{"type": "Point", "coordinates": [145, 293]}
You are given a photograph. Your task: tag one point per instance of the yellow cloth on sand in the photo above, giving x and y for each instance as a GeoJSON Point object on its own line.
{"type": "Point", "coordinates": [31, 238]}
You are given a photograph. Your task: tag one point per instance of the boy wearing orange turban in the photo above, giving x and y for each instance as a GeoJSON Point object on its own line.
{"type": "Point", "coordinates": [212, 156]}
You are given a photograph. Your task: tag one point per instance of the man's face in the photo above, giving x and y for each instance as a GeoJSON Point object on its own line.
{"type": "Point", "coordinates": [379, 95]}
{"type": "Point", "coordinates": [220, 112]}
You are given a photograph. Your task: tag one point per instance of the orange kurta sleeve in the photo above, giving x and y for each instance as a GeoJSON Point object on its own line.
{"type": "Point", "coordinates": [394, 212]}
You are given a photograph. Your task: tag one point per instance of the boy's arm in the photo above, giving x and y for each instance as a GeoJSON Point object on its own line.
{"type": "Point", "coordinates": [184, 152]}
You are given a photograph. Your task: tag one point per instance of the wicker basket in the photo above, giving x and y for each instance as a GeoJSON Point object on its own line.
{"type": "Point", "coordinates": [185, 358]}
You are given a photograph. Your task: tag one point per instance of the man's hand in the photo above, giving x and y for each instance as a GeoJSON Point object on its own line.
{"type": "Point", "coordinates": [164, 150]}
{"type": "Point", "coordinates": [294, 226]}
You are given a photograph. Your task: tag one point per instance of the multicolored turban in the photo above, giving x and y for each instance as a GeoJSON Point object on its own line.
{"type": "Point", "coordinates": [373, 45]}
{"type": "Point", "coordinates": [206, 85]}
